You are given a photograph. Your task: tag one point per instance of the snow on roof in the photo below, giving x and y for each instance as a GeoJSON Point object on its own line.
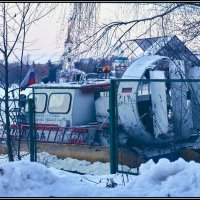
{"type": "Point", "coordinates": [89, 82]}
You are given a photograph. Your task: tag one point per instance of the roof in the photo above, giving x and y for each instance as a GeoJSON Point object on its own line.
{"type": "Point", "coordinates": [170, 46]}
{"type": "Point", "coordinates": [121, 58]}
{"type": "Point", "coordinates": [146, 42]}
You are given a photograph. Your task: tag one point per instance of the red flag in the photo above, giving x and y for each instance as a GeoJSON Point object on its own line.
{"type": "Point", "coordinates": [29, 79]}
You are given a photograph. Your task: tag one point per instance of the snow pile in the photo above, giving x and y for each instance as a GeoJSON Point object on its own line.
{"type": "Point", "coordinates": [21, 178]}
{"type": "Point", "coordinates": [84, 166]}
{"type": "Point", "coordinates": [71, 164]}
{"type": "Point", "coordinates": [164, 179]}
{"type": "Point", "coordinates": [167, 179]}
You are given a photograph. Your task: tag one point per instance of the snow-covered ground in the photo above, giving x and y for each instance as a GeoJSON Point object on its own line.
{"type": "Point", "coordinates": [42, 179]}
{"type": "Point", "coordinates": [51, 177]}
{"type": "Point", "coordinates": [69, 164]}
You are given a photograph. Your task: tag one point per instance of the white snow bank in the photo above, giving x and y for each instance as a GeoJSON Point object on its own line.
{"type": "Point", "coordinates": [174, 179]}
{"type": "Point", "coordinates": [71, 164]}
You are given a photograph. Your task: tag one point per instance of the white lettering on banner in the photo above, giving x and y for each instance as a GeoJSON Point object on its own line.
{"type": "Point", "coordinates": [48, 117]}
{"type": "Point", "coordinates": [39, 119]}
{"type": "Point", "coordinates": [51, 119]}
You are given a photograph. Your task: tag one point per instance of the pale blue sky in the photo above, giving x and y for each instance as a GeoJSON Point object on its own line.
{"type": "Point", "coordinates": [49, 43]}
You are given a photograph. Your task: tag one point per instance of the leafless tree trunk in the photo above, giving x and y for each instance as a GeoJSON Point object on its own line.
{"type": "Point", "coordinates": [17, 19]}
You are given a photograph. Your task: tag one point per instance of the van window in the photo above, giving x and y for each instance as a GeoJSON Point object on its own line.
{"type": "Point", "coordinates": [59, 103]}
{"type": "Point", "coordinates": [40, 102]}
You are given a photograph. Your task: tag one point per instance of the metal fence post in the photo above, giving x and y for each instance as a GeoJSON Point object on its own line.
{"type": "Point", "coordinates": [35, 136]}
{"type": "Point", "coordinates": [112, 123]}
{"type": "Point", "coordinates": [31, 129]}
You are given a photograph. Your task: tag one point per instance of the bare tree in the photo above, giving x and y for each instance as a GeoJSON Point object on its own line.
{"type": "Point", "coordinates": [80, 21]}
{"type": "Point", "coordinates": [16, 21]}
{"type": "Point", "coordinates": [141, 20]}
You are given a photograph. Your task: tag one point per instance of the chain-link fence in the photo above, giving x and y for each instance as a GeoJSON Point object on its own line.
{"type": "Point", "coordinates": [153, 119]}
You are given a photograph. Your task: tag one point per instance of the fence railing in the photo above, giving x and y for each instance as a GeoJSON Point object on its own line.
{"type": "Point", "coordinates": [157, 115]}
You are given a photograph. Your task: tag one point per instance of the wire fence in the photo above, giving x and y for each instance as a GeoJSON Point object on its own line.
{"type": "Point", "coordinates": [153, 119]}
